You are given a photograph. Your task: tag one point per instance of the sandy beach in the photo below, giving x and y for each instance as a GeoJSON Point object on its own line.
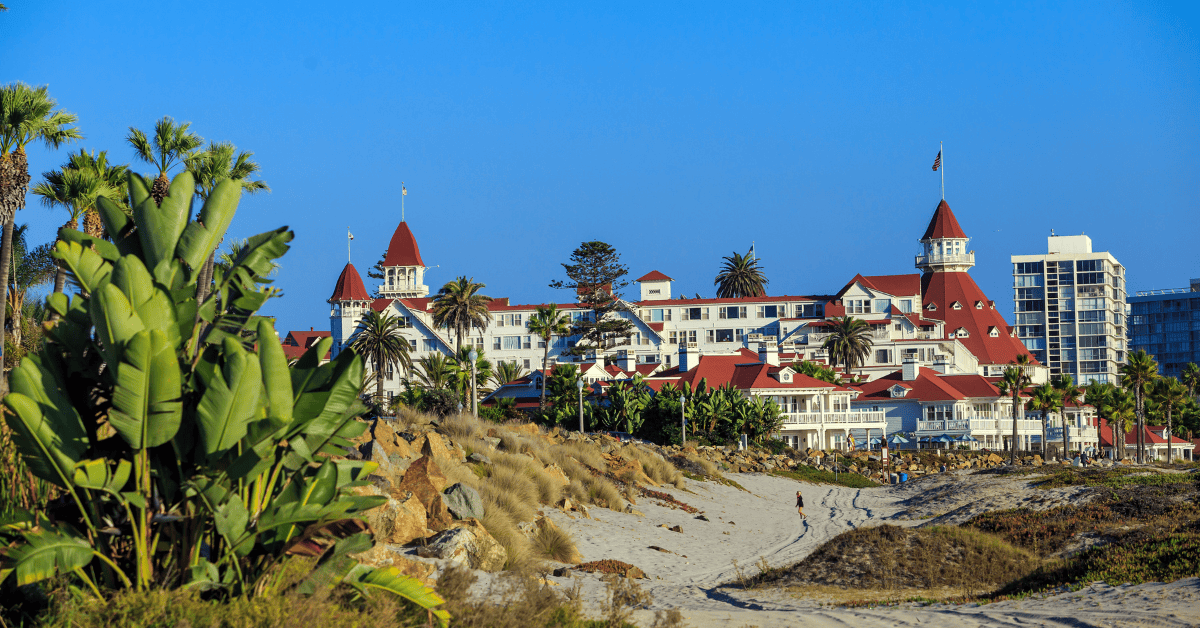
{"type": "Point", "coordinates": [761, 523]}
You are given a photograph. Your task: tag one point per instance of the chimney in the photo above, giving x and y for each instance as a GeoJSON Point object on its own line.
{"type": "Point", "coordinates": [941, 364]}
{"type": "Point", "coordinates": [909, 370]}
{"type": "Point", "coordinates": [310, 329]}
{"type": "Point", "coordinates": [768, 352]}
{"type": "Point", "coordinates": [689, 356]}
{"type": "Point", "coordinates": [626, 361]}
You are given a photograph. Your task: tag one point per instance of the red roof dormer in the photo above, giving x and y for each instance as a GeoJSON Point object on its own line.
{"type": "Point", "coordinates": [402, 250]}
{"type": "Point", "coordinates": [654, 275]}
{"type": "Point", "coordinates": [349, 287]}
{"type": "Point", "coordinates": [943, 224]}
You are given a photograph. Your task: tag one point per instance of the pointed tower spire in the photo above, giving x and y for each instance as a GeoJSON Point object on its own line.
{"type": "Point", "coordinates": [404, 270]}
{"type": "Point", "coordinates": [944, 245]}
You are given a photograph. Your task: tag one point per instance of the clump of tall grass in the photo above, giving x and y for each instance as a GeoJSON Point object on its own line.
{"type": "Point", "coordinates": [655, 466]}
{"type": "Point", "coordinates": [550, 541]}
{"type": "Point", "coordinates": [499, 522]}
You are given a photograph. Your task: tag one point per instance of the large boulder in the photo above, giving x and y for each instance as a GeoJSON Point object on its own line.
{"type": "Point", "coordinates": [398, 521]}
{"type": "Point", "coordinates": [463, 502]}
{"type": "Point", "coordinates": [393, 444]}
{"type": "Point", "coordinates": [467, 544]}
{"type": "Point", "coordinates": [435, 447]}
{"type": "Point", "coordinates": [425, 480]}
{"type": "Point", "coordinates": [383, 556]}
{"type": "Point", "coordinates": [374, 452]}
{"type": "Point", "coordinates": [556, 472]}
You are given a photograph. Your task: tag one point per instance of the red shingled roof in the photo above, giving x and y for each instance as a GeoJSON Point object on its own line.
{"type": "Point", "coordinates": [297, 342]}
{"type": "Point", "coordinates": [943, 224]}
{"type": "Point", "coordinates": [349, 286]}
{"type": "Point", "coordinates": [895, 285]}
{"type": "Point", "coordinates": [654, 275]}
{"type": "Point", "coordinates": [403, 251]}
{"type": "Point", "coordinates": [719, 370]}
{"type": "Point", "coordinates": [943, 289]}
{"type": "Point", "coordinates": [928, 386]}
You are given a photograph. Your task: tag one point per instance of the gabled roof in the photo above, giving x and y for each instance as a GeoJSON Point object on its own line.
{"type": "Point", "coordinates": [928, 386]}
{"type": "Point", "coordinates": [895, 285]}
{"type": "Point", "coordinates": [942, 289]}
{"type": "Point", "coordinates": [297, 342]}
{"type": "Point", "coordinates": [943, 224]}
{"type": "Point", "coordinates": [349, 286]}
{"type": "Point", "coordinates": [402, 250]}
{"type": "Point", "coordinates": [719, 370]}
{"type": "Point", "coordinates": [654, 275]}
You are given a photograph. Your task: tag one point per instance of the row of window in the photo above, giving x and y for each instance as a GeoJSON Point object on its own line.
{"type": "Point", "coordinates": [725, 312]}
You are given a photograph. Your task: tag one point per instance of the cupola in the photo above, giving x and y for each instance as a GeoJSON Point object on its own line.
{"type": "Point", "coordinates": [403, 269]}
{"type": "Point", "coordinates": [944, 245]}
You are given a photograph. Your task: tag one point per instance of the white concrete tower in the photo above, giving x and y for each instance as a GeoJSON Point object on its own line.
{"type": "Point", "coordinates": [944, 245]}
{"type": "Point", "coordinates": [404, 272]}
{"type": "Point", "coordinates": [350, 301]}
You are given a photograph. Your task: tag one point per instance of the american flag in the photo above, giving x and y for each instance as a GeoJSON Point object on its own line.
{"type": "Point", "coordinates": [937, 162]}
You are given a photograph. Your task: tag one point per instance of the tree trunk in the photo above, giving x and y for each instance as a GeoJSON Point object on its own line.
{"type": "Point", "coordinates": [1012, 456]}
{"type": "Point", "coordinates": [1116, 451]}
{"type": "Point", "coordinates": [1066, 432]}
{"type": "Point", "coordinates": [378, 379]}
{"type": "Point", "coordinates": [204, 280]}
{"type": "Point", "coordinates": [545, 360]}
{"type": "Point", "coordinates": [1168, 434]}
{"type": "Point", "coordinates": [1141, 455]}
{"type": "Point", "coordinates": [1045, 432]}
{"type": "Point", "coordinates": [5, 262]}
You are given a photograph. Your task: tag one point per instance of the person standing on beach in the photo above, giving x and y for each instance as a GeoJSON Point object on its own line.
{"type": "Point", "coordinates": [800, 505]}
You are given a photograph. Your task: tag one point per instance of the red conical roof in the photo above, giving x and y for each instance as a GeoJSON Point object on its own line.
{"type": "Point", "coordinates": [349, 286]}
{"type": "Point", "coordinates": [403, 251]}
{"type": "Point", "coordinates": [943, 224]}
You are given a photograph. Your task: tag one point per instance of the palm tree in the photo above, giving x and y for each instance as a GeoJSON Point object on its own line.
{"type": "Point", "coordinates": [506, 372]}
{"type": "Point", "coordinates": [437, 371]}
{"type": "Point", "coordinates": [1124, 414]}
{"type": "Point", "coordinates": [1137, 372]}
{"type": "Point", "coordinates": [740, 276]}
{"type": "Point", "coordinates": [378, 339]}
{"type": "Point", "coordinates": [75, 187]}
{"type": "Point", "coordinates": [483, 373]}
{"type": "Point", "coordinates": [173, 145]}
{"type": "Point", "coordinates": [210, 167]}
{"type": "Point", "coordinates": [459, 306]}
{"type": "Point", "coordinates": [849, 342]}
{"type": "Point", "coordinates": [26, 114]}
{"type": "Point", "coordinates": [1014, 382]}
{"type": "Point", "coordinates": [546, 323]}
{"type": "Point", "coordinates": [30, 268]}
{"type": "Point", "coordinates": [1068, 395]}
{"type": "Point", "coordinates": [1170, 395]}
{"type": "Point", "coordinates": [1191, 378]}
{"type": "Point", "coordinates": [1045, 399]}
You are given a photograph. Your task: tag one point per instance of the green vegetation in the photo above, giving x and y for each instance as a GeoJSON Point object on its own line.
{"type": "Point", "coordinates": [817, 476]}
{"type": "Point", "coordinates": [740, 276]}
{"type": "Point", "coordinates": [1113, 477]}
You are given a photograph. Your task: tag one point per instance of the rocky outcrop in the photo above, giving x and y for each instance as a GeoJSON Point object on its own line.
{"type": "Point", "coordinates": [463, 502]}
{"type": "Point", "coordinates": [467, 544]}
{"type": "Point", "coordinates": [426, 481]}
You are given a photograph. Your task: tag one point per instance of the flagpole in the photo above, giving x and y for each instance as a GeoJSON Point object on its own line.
{"type": "Point", "coordinates": [403, 193]}
{"type": "Point", "coordinates": [942, 152]}
{"type": "Point", "coordinates": [349, 237]}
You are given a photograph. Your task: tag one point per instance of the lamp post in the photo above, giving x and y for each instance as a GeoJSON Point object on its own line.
{"type": "Point", "coordinates": [579, 386]}
{"type": "Point", "coordinates": [682, 420]}
{"type": "Point", "coordinates": [473, 356]}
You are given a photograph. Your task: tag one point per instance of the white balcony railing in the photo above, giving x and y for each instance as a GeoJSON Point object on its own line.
{"type": "Point", "coordinates": [946, 258]}
{"type": "Point", "coordinates": [864, 419]}
{"type": "Point", "coordinates": [979, 426]}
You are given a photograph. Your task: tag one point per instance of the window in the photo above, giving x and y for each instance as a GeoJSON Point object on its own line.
{"type": "Point", "coordinates": [430, 345]}
{"type": "Point", "coordinates": [939, 413]}
{"type": "Point", "coordinates": [654, 291]}
{"type": "Point", "coordinates": [709, 336]}
{"type": "Point", "coordinates": [643, 339]}
{"type": "Point", "coordinates": [526, 365]}
{"type": "Point", "coordinates": [882, 305]}
{"type": "Point", "coordinates": [1029, 268]}
{"type": "Point", "coordinates": [692, 336]}
{"type": "Point", "coordinates": [1091, 304]}
{"type": "Point", "coordinates": [656, 316]}
{"type": "Point", "coordinates": [738, 334]}
{"type": "Point", "coordinates": [906, 306]}
{"type": "Point", "coordinates": [673, 338]}
{"type": "Point", "coordinates": [1029, 293]}
{"type": "Point", "coordinates": [528, 342]}
{"type": "Point", "coordinates": [1090, 265]}
{"type": "Point", "coordinates": [882, 356]}
{"type": "Point", "coordinates": [1022, 281]}
{"type": "Point", "coordinates": [724, 335]}
{"type": "Point", "coordinates": [695, 314]}
{"type": "Point", "coordinates": [541, 343]}
{"type": "Point", "coordinates": [858, 306]}
{"type": "Point", "coordinates": [496, 342]}
{"type": "Point", "coordinates": [412, 345]}
{"type": "Point", "coordinates": [512, 343]}
{"type": "Point", "coordinates": [516, 320]}
{"type": "Point", "coordinates": [768, 311]}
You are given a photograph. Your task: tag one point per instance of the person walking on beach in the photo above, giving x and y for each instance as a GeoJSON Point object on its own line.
{"type": "Point", "coordinates": [800, 505]}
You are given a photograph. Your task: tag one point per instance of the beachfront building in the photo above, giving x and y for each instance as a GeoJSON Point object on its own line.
{"type": "Point", "coordinates": [1166, 324]}
{"type": "Point", "coordinates": [939, 318]}
{"type": "Point", "coordinates": [1070, 309]}
{"type": "Point", "coordinates": [1157, 441]}
{"type": "Point", "coordinates": [969, 410]}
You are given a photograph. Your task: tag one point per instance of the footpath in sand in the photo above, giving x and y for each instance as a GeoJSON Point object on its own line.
{"type": "Point", "coordinates": [761, 523]}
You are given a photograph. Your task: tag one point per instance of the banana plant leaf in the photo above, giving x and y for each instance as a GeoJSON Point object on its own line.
{"type": "Point", "coordinates": [43, 555]}
{"type": "Point", "coordinates": [147, 406]}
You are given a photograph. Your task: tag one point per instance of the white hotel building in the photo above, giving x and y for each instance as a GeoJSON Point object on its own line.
{"type": "Point", "coordinates": [938, 321]}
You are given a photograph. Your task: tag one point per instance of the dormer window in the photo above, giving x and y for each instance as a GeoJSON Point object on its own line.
{"type": "Point", "coordinates": [956, 305]}
{"type": "Point", "coordinates": [979, 305]}
{"type": "Point", "coordinates": [993, 332]}
{"type": "Point", "coordinates": [785, 377]}
{"type": "Point", "coordinates": [961, 332]}
{"type": "Point", "coordinates": [898, 391]}
{"type": "Point", "coordinates": [931, 307]}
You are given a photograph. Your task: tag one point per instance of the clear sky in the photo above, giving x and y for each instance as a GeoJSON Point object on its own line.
{"type": "Point", "coordinates": [677, 132]}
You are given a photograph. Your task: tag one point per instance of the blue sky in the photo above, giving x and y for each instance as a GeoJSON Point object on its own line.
{"type": "Point", "coordinates": [677, 132]}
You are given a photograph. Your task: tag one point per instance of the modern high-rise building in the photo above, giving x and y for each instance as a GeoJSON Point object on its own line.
{"type": "Point", "coordinates": [1070, 308]}
{"type": "Point", "coordinates": [1166, 323]}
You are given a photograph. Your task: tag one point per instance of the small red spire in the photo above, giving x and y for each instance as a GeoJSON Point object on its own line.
{"type": "Point", "coordinates": [349, 286]}
{"type": "Point", "coordinates": [943, 224]}
{"type": "Point", "coordinates": [403, 251]}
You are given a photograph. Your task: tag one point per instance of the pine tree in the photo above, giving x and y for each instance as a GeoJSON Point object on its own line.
{"type": "Point", "coordinates": [596, 275]}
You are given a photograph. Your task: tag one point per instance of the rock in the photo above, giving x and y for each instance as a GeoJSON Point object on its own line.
{"type": "Point", "coordinates": [702, 517]}
{"type": "Point", "coordinates": [467, 544]}
{"type": "Point", "coordinates": [391, 442]}
{"type": "Point", "coordinates": [425, 480]}
{"type": "Point", "coordinates": [374, 452]}
{"type": "Point", "coordinates": [561, 572]}
{"type": "Point", "coordinates": [379, 482]}
{"type": "Point", "coordinates": [565, 504]}
{"type": "Point", "coordinates": [463, 502]}
{"type": "Point", "coordinates": [352, 453]}
{"type": "Point", "coordinates": [583, 510]}
{"type": "Point", "coordinates": [676, 529]}
{"type": "Point", "coordinates": [398, 521]}
{"type": "Point", "coordinates": [383, 556]}
{"type": "Point", "coordinates": [400, 463]}
{"type": "Point", "coordinates": [435, 447]}
{"type": "Point", "coordinates": [555, 472]}
{"type": "Point", "coordinates": [479, 458]}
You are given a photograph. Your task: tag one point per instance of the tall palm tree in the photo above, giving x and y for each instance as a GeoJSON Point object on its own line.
{"type": "Point", "coordinates": [1138, 371]}
{"type": "Point", "coordinates": [740, 276]}
{"type": "Point", "coordinates": [172, 145]}
{"type": "Point", "coordinates": [506, 372]}
{"type": "Point", "coordinates": [1191, 378]}
{"type": "Point", "coordinates": [1124, 414]}
{"type": "Point", "coordinates": [1170, 395]}
{"type": "Point", "coordinates": [1045, 400]}
{"type": "Point", "coordinates": [459, 306]}
{"type": "Point", "coordinates": [483, 373]}
{"type": "Point", "coordinates": [27, 114]}
{"type": "Point", "coordinates": [211, 166]}
{"type": "Point", "coordinates": [849, 342]}
{"type": "Point", "coordinates": [378, 339]}
{"type": "Point", "coordinates": [31, 267]}
{"type": "Point", "coordinates": [546, 323]}
{"type": "Point", "coordinates": [75, 187]}
{"type": "Point", "coordinates": [1016, 379]}
{"type": "Point", "coordinates": [1068, 395]}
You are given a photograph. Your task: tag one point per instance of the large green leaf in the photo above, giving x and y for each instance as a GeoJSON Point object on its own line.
{"type": "Point", "coordinates": [103, 247]}
{"type": "Point", "coordinates": [231, 400]}
{"type": "Point", "coordinates": [201, 237]}
{"type": "Point", "coordinates": [88, 268]}
{"type": "Point", "coordinates": [44, 554]}
{"type": "Point", "coordinates": [153, 305]}
{"type": "Point", "coordinates": [276, 378]}
{"type": "Point", "coordinates": [115, 320]}
{"type": "Point", "coordinates": [47, 428]}
{"type": "Point", "coordinates": [101, 476]}
{"type": "Point", "coordinates": [390, 579]}
{"type": "Point", "coordinates": [161, 225]}
{"type": "Point", "coordinates": [147, 405]}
